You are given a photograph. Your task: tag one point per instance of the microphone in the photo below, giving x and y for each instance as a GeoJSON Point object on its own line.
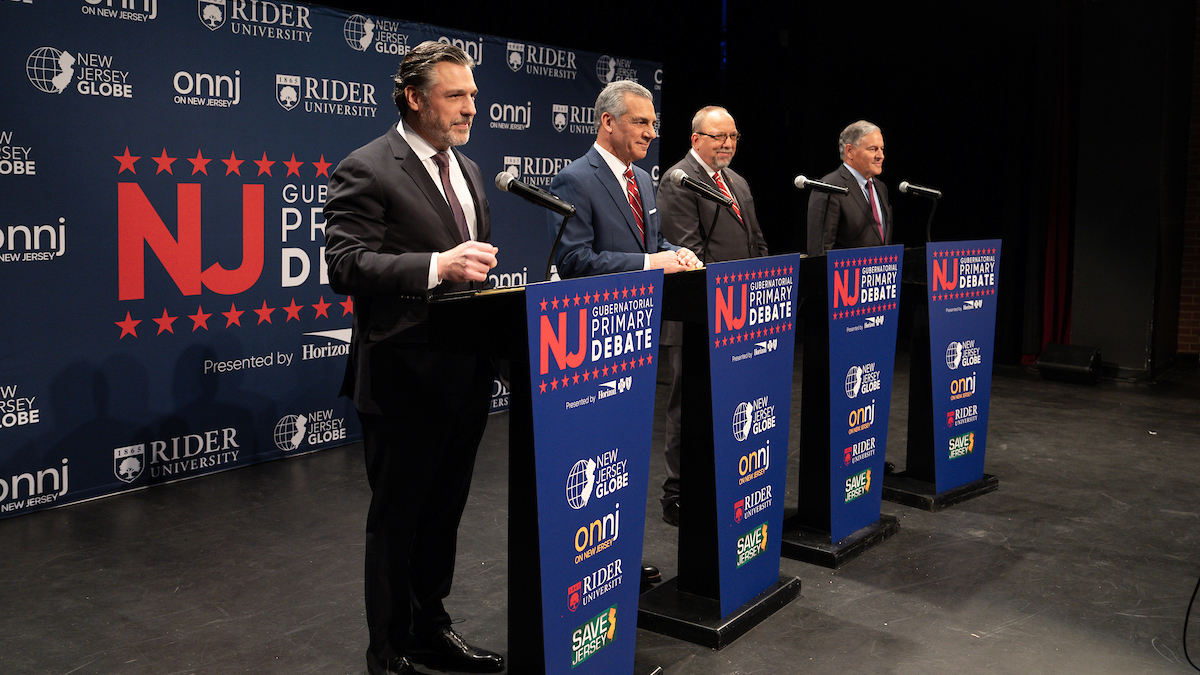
{"type": "Point", "coordinates": [534, 195]}
{"type": "Point", "coordinates": [908, 188]}
{"type": "Point", "coordinates": [680, 178]}
{"type": "Point", "coordinates": [801, 182]}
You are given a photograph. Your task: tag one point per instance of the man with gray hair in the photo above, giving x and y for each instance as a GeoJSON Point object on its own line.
{"type": "Point", "coordinates": [713, 232]}
{"type": "Point", "coordinates": [616, 225]}
{"type": "Point", "coordinates": [864, 216]}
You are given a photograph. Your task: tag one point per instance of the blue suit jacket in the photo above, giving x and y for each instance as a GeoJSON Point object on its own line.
{"type": "Point", "coordinates": [602, 237]}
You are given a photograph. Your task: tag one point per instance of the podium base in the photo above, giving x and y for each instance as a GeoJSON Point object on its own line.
{"type": "Point", "coordinates": [920, 494]}
{"type": "Point", "coordinates": [696, 619]}
{"type": "Point", "coordinates": [814, 546]}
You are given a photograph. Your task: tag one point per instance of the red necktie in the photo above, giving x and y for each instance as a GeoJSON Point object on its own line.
{"type": "Point", "coordinates": [721, 187]}
{"type": "Point", "coordinates": [635, 202]}
{"type": "Point", "coordinates": [874, 210]}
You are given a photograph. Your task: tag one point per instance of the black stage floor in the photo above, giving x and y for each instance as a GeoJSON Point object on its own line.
{"type": "Point", "coordinates": [1082, 562]}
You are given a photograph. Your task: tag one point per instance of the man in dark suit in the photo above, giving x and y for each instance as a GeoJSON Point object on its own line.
{"type": "Point", "coordinates": [864, 216]}
{"type": "Point", "coordinates": [407, 218]}
{"type": "Point", "coordinates": [616, 225]}
{"type": "Point", "coordinates": [713, 232]}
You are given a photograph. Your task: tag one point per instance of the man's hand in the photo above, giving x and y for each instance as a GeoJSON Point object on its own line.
{"type": "Point", "coordinates": [667, 261]}
{"type": "Point", "coordinates": [469, 261]}
{"type": "Point", "coordinates": [688, 259]}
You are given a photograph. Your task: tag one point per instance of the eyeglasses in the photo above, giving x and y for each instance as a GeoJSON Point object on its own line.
{"type": "Point", "coordinates": [720, 138]}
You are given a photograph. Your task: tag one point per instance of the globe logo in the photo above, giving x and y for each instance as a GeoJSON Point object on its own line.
{"type": "Point", "coordinates": [50, 69]}
{"type": "Point", "coordinates": [606, 69]}
{"type": "Point", "coordinates": [580, 481]}
{"type": "Point", "coordinates": [953, 355]}
{"type": "Point", "coordinates": [359, 31]}
{"type": "Point", "coordinates": [853, 381]}
{"type": "Point", "coordinates": [289, 432]}
{"type": "Point", "coordinates": [743, 416]}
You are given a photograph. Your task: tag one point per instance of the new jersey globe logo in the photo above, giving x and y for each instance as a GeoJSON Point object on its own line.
{"type": "Point", "coordinates": [953, 355]}
{"type": "Point", "coordinates": [606, 69]}
{"type": "Point", "coordinates": [853, 381]}
{"type": "Point", "coordinates": [743, 417]}
{"type": "Point", "coordinates": [50, 69]}
{"type": "Point", "coordinates": [580, 481]}
{"type": "Point", "coordinates": [289, 432]}
{"type": "Point", "coordinates": [359, 30]}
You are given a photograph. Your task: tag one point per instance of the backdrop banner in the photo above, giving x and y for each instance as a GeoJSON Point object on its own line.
{"type": "Point", "coordinates": [161, 240]}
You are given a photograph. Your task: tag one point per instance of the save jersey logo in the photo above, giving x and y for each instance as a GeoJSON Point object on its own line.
{"type": "Point", "coordinates": [593, 636]}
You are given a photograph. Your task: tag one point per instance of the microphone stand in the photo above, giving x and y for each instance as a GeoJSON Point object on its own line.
{"type": "Point", "coordinates": [929, 224]}
{"type": "Point", "coordinates": [707, 235]}
{"type": "Point", "coordinates": [554, 248]}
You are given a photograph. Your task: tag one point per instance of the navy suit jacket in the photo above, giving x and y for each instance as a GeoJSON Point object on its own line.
{"type": "Point", "coordinates": [603, 237]}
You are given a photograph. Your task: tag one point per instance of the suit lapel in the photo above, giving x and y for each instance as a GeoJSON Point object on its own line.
{"type": "Point", "coordinates": [617, 192]}
{"type": "Point", "coordinates": [482, 227]}
{"type": "Point", "coordinates": [412, 166]}
{"type": "Point", "coordinates": [861, 199]}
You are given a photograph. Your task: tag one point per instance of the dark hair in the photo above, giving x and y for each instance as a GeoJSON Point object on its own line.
{"type": "Point", "coordinates": [416, 70]}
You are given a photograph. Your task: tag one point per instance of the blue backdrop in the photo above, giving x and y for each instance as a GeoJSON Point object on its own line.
{"type": "Point", "coordinates": [161, 240]}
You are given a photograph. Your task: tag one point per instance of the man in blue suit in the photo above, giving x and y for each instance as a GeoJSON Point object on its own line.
{"type": "Point", "coordinates": [615, 228]}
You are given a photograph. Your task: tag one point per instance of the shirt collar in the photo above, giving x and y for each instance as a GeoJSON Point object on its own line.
{"type": "Point", "coordinates": [618, 167]}
{"type": "Point", "coordinates": [709, 171]}
{"type": "Point", "coordinates": [419, 145]}
{"type": "Point", "coordinates": [862, 182]}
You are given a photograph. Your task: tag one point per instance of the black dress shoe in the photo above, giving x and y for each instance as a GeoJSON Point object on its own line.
{"type": "Point", "coordinates": [671, 512]}
{"type": "Point", "coordinates": [399, 666]}
{"type": "Point", "coordinates": [650, 574]}
{"type": "Point", "coordinates": [889, 468]}
{"type": "Point", "coordinates": [447, 650]}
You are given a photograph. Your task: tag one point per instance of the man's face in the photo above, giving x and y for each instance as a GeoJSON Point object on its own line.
{"type": "Point", "coordinates": [867, 157]}
{"type": "Point", "coordinates": [716, 153]}
{"type": "Point", "coordinates": [630, 135]}
{"type": "Point", "coordinates": [444, 117]}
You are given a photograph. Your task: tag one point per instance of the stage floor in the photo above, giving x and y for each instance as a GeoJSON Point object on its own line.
{"type": "Point", "coordinates": [1082, 562]}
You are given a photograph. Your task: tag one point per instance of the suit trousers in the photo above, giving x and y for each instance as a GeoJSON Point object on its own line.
{"type": "Point", "coordinates": [419, 464]}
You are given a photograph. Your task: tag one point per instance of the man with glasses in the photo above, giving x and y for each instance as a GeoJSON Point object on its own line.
{"type": "Point", "coordinates": [713, 232]}
{"type": "Point", "coordinates": [616, 225]}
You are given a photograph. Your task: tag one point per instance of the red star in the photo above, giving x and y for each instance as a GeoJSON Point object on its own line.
{"type": "Point", "coordinates": [126, 161]}
{"type": "Point", "coordinates": [264, 165]}
{"type": "Point", "coordinates": [164, 163]}
{"type": "Point", "coordinates": [543, 303]}
{"type": "Point", "coordinates": [624, 292]}
{"type": "Point", "coordinates": [650, 358]}
{"type": "Point", "coordinates": [347, 306]}
{"type": "Point", "coordinates": [293, 311]}
{"type": "Point", "coordinates": [716, 344]}
{"type": "Point", "coordinates": [643, 289]}
{"type": "Point", "coordinates": [293, 166]}
{"type": "Point", "coordinates": [543, 387]}
{"type": "Point", "coordinates": [164, 324]}
{"type": "Point", "coordinates": [576, 299]}
{"type": "Point", "coordinates": [199, 318]}
{"type": "Point", "coordinates": [586, 376]}
{"type": "Point", "coordinates": [129, 325]}
{"type": "Point", "coordinates": [199, 164]}
{"type": "Point", "coordinates": [651, 289]}
{"type": "Point", "coordinates": [554, 385]}
{"type": "Point", "coordinates": [575, 379]}
{"type": "Point", "coordinates": [595, 373]}
{"type": "Point", "coordinates": [606, 296]}
{"type": "Point", "coordinates": [642, 361]}
{"type": "Point", "coordinates": [322, 307]}
{"type": "Point", "coordinates": [605, 371]}
{"type": "Point", "coordinates": [264, 314]}
{"type": "Point", "coordinates": [623, 363]}
{"type": "Point", "coordinates": [554, 302]}
{"type": "Point", "coordinates": [234, 315]}
{"type": "Point", "coordinates": [322, 167]}
{"type": "Point", "coordinates": [233, 164]}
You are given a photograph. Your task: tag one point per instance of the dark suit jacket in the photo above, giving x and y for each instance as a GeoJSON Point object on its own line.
{"type": "Point", "coordinates": [686, 216]}
{"type": "Point", "coordinates": [602, 237]}
{"type": "Point", "coordinates": [385, 217]}
{"type": "Point", "coordinates": [845, 221]}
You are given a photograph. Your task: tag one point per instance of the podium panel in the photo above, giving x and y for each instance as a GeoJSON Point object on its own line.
{"type": "Point", "coordinates": [852, 310]}
{"type": "Point", "coordinates": [592, 380]}
{"type": "Point", "coordinates": [953, 349]}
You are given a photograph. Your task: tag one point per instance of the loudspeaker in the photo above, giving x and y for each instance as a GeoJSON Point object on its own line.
{"type": "Point", "coordinates": [1070, 363]}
